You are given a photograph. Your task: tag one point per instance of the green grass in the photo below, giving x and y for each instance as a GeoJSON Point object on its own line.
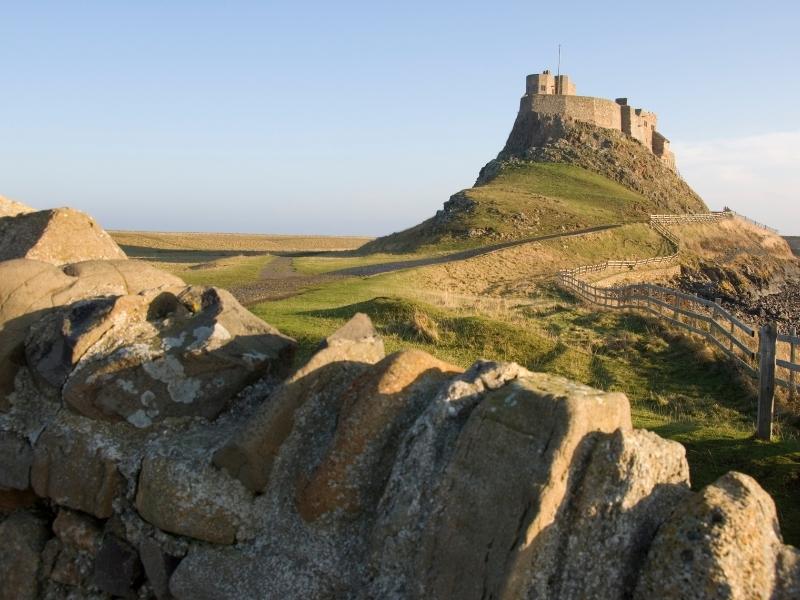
{"type": "Point", "coordinates": [313, 265]}
{"type": "Point", "coordinates": [222, 272]}
{"type": "Point", "coordinates": [562, 194]}
{"type": "Point", "coordinates": [676, 386]}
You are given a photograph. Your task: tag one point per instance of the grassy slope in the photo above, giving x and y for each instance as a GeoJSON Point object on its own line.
{"type": "Point", "coordinates": [525, 201]}
{"type": "Point", "coordinates": [677, 388]}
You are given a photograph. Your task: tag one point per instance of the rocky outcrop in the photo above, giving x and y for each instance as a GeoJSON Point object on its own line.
{"type": "Point", "coordinates": [554, 139]}
{"type": "Point", "coordinates": [153, 356]}
{"type": "Point", "coordinates": [11, 208]}
{"type": "Point", "coordinates": [724, 542]}
{"type": "Point", "coordinates": [58, 236]}
{"type": "Point", "coordinates": [29, 289]}
{"type": "Point", "coordinates": [394, 477]}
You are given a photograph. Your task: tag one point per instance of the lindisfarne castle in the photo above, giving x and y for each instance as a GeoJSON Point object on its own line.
{"type": "Point", "coordinates": [549, 94]}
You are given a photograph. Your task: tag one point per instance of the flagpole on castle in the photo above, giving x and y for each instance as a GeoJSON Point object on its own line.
{"type": "Point", "coordinates": [558, 71]}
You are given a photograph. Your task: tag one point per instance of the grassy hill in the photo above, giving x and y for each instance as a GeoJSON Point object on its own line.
{"type": "Point", "coordinates": [524, 200]}
{"type": "Point", "coordinates": [578, 176]}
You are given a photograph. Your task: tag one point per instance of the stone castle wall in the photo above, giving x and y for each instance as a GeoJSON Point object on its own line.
{"type": "Point", "coordinates": [555, 95]}
{"type": "Point", "coordinates": [598, 111]}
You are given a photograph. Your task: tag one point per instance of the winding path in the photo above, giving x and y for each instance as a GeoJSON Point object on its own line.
{"type": "Point", "coordinates": [279, 279]}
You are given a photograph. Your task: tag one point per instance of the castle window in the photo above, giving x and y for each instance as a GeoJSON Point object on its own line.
{"type": "Point", "coordinates": [544, 88]}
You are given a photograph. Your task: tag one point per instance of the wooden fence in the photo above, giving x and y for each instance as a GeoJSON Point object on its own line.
{"type": "Point", "coordinates": [765, 354]}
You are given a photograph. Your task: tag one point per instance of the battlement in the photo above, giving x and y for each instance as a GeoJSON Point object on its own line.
{"type": "Point", "coordinates": [550, 94]}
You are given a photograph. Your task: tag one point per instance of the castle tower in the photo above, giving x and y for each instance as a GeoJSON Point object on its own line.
{"type": "Point", "coordinates": [547, 83]}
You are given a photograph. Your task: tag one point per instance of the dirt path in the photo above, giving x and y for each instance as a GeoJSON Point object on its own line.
{"type": "Point", "coordinates": [280, 280]}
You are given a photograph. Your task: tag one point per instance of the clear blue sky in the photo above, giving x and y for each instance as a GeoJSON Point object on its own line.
{"type": "Point", "coordinates": [363, 117]}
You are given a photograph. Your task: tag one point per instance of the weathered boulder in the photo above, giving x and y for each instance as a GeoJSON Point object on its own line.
{"type": "Point", "coordinates": [183, 495]}
{"type": "Point", "coordinates": [58, 236]}
{"type": "Point", "coordinates": [64, 565]}
{"type": "Point", "coordinates": [75, 465]}
{"type": "Point", "coordinates": [12, 208]}
{"type": "Point", "coordinates": [116, 277]}
{"type": "Point", "coordinates": [16, 458]}
{"type": "Point", "coordinates": [617, 500]}
{"type": "Point", "coordinates": [516, 450]}
{"type": "Point", "coordinates": [356, 341]}
{"type": "Point", "coordinates": [410, 497]}
{"type": "Point", "coordinates": [377, 408]}
{"type": "Point", "coordinates": [23, 538]}
{"type": "Point", "coordinates": [29, 289]}
{"type": "Point", "coordinates": [723, 542]}
{"type": "Point", "coordinates": [148, 357]}
{"type": "Point", "coordinates": [77, 530]}
{"type": "Point", "coordinates": [249, 455]}
{"type": "Point", "coordinates": [158, 566]}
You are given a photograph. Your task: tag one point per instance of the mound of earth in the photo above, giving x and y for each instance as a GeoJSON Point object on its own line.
{"type": "Point", "coordinates": [58, 236]}
{"type": "Point", "coordinates": [359, 476]}
{"type": "Point", "coordinates": [554, 174]}
{"type": "Point", "coordinates": [11, 208]}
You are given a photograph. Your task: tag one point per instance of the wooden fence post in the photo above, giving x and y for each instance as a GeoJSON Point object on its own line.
{"type": "Point", "coordinates": [766, 373]}
{"type": "Point", "coordinates": [793, 360]}
{"type": "Point", "coordinates": [711, 326]}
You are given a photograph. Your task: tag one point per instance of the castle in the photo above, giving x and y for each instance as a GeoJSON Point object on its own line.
{"type": "Point", "coordinates": [550, 94]}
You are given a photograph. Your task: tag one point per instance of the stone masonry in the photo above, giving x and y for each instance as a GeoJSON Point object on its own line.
{"type": "Point", "coordinates": [550, 94]}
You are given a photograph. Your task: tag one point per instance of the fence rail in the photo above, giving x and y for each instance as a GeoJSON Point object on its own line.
{"type": "Point", "coordinates": [750, 349]}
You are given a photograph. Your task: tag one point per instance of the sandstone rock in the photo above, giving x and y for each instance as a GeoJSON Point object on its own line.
{"type": "Point", "coordinates": [117, 568]}
{"type": "Point", "coordinates": [410, 496]}
{"type": "Point", "coordinates": [156, 355]}
{"type": "Point", "coordinates": [16, 458]}
{"type": "Point", "coordinates": [66, 568]}
{"type": "Point", "coordinates": [249, 455]}
{"type": "Point", "coordinates": [57, 236]}
{"type": "Point", "coordinates": [158, 566]}
{"type": "Point", "coordinates": [356, 341]}
{"type": "Point", "coordinates": [77, 530]}
{"type": "Point", "coordinates": [29, 289]}
{"type": "Point", "coordinates": [515, 451]}
{"type": "Point", "coordinates": [723, 542]}
{"type": "Point", "coordinates": [120, 277]}
{"type": "Point", "coordinates": [24, 537]}
{"type": "Point", "coordinates": [376, 409]}
{"type": "Point", "coordinates": [11, 208]}
{"type": "Point", "coordinates": [188, 498]}
{"type": "Point", "coordinates": [11, 500]}
{"type": "Point", "coordinates": [595, 548]}
{"type": "Point", "coordinates": [75, 467]}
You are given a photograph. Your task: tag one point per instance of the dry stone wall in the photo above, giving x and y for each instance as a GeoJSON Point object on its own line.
{"type": "Point", "coordinates": [357, 475]}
